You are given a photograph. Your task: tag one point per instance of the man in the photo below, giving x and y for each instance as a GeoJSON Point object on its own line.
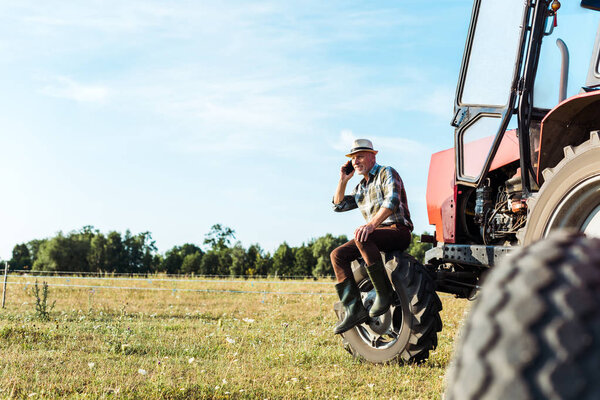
{"type": "Point", "coordinates": [381, 198]}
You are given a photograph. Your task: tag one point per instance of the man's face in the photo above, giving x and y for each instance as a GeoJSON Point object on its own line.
{"type": "Point", "coordinates": [363, 161]}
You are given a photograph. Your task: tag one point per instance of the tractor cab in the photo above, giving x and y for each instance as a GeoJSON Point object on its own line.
{"type": "Point", "coordinates": [496, 85]}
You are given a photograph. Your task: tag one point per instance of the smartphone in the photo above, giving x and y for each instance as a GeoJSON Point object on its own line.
{"type": "Point", "coordinates": [348, 168]}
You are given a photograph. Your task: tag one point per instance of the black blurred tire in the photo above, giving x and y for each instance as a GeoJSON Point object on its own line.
{"type": "Point", "coordinates": [534, 332]}
{"type": "Point", "coordinates": [408, 331]}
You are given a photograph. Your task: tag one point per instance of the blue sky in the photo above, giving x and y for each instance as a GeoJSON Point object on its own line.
{"type": "Point", "coordinates": [170, 117]}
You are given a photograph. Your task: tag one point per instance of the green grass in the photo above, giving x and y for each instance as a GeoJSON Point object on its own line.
{"type": "Point", "coordinates": [113, 343]}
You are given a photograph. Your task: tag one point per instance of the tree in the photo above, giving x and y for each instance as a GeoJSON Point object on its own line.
{"type": "Point", "coordinates": [34, 247]}
{"type": "Point", "coordinates": [321, 249]}
{"type": "Point", "coordinates": [224, 265]}
{"type": "Point", "coordinates": [304, 261]}
{"type": "Point", "coordinates": [190, 248]}
{"type": "Point", "coordinates": [283, 260]}
{"type": "Point", "coordinates": [253, 254]}
{"type": "Point", "coordinates": [97, 257]}
{"type": "Point", "coordinates": [209, 263]}
{"type": "Point", "coordinates": [50, 256]}
{"type": "Point", "coordinates": [172, 262]}
{"type": "Point", "coordinates": [239, 260]}
{"type": "Point", "coordinates": [21, 257]}
{"type": "Point", "coordinates": [139, 250]}
{"type": "Point", "coordinates": [191, 263]}
{"type": "Point", "coordinates": [219, 237]}
{"type": "Point", "coordinates": [90, 250]}
{"type": "Point", "coordinates": [63, 253]}
{"type": "Point", "coordinates": [417, 249]}
{"type": "Point", "coordinates": [263, 265]}
{"type": "Point", "coordinates": [174, 259]}
{"type": "Point", "coordinates": [157, 260]}
{"type": "Point", "coordinates": [116, 256]}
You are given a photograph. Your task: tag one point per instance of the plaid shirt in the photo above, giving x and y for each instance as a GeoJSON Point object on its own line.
{"type": "Point", "coordinates": [384, 189]}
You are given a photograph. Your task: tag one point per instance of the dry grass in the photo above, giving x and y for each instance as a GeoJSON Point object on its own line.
{"type": "Point", "coordinates": [110, 343]}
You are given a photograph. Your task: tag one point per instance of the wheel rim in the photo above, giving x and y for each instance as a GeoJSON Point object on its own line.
{"type": "Point", "coordinates": [579, 209]}
{"type": "Point", "coordinates": [591, 226]}
{"type": "Point", "coordinates": [382, 332]}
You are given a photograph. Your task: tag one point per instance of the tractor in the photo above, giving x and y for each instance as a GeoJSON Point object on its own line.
{"type": "Point", "coordinates": [518, 171]}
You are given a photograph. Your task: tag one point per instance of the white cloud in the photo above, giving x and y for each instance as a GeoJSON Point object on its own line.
{"type": "Point", "coordinates": [345, 141]}
{"type": "Point", "coordinates": [403, 146]}
{"type": "Point", "coordinates": [118, 17]}
{"type": "Point", "coordinates": [394, 144]}
{"type": "Point", "coordinates": [426, 98]}
{"type": "Point", "coordinates": [67, 88]}
{"type": "Point", "coordinates": [438, 102]}
{"type": "Point", "coordinates": [264, 75]}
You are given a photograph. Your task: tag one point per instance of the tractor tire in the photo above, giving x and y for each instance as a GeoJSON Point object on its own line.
{"type": "Point", "coordinates": [534, 332]}
{"type": "Point", "coordinates": [408, 331]}
{"type": "Point", "coordinates": [570, 195]}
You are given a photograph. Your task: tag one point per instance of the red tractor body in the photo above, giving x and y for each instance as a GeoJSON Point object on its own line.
{"type": "Point", "coordinates": [442, 190]}
{"type": "Point", "coordinates": [501, 187]}
{"type": "Point", "coordinates": [576, 114]}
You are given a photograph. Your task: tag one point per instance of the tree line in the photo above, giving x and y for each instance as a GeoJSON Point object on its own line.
{"type": "Point", "coordinates": [89, 250]}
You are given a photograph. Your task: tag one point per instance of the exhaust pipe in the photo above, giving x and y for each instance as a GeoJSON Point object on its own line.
{"type": "Point", "coordinates": [564, 69]}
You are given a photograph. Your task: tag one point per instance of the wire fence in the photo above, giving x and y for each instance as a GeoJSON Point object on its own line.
{"type": "Point", "coordinates": [102, 281]}
{"type": "Point", "coordinates": [149, 274]}
{"type": "Point", "coordinates": [153, 282]}
{"type": "Point", "coordinates": [150, 280]}
{"type": "Point", "coordinates": [174, 290]}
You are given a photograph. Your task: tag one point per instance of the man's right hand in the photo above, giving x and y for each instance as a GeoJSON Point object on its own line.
{"type": "Point", "coordinates": [343, 175]}
{"type": "Point", "coordinates": [341, 187]}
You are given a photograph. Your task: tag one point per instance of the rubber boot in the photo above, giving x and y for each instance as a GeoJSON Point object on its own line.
{"type": "Point", "coordinates": [355, 311]}
{"type": "Point", "coordinates": [383, 289]}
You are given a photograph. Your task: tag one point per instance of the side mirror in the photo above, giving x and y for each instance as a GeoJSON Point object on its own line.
{"type": "Point", "coordinates": [591, 4]}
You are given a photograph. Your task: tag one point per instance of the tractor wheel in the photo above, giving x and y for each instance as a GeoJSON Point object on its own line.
{"type": "Point", "coordinates": [570, 195]}
{"type": "Point", "coordinates": [534, 332]}
{"type": "Point", "coordinates": [408, 331]}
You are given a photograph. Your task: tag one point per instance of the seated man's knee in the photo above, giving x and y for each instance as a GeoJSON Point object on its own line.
{"type": "Point", "coordinates": [364, 245]}
{"type": "Point", "coordinates": [335, 255]}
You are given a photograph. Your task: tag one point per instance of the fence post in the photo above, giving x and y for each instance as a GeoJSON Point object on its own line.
{"type": "Point", "coordinates": [4, 286]}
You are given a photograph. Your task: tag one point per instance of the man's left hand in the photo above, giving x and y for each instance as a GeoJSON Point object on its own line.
{"type": "Point", "coordinates": [362, 232]}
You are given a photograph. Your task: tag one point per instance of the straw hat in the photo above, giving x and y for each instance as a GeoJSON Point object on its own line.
{"type": "Point", "coordinates": [361, 145]}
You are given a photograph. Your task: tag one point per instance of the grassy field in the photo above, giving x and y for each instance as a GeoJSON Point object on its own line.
{"type": "Point", "coordinates": [179, 344]}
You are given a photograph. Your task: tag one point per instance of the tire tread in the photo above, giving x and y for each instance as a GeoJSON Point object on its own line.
{"type": "Point", "coordinates": [534, 339]}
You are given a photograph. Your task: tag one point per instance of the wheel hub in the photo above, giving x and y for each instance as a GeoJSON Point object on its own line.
{"type": "Point", "coordinates": [579, 209]}
{"type": "Point", "coordinates": [381, 324]}
{"type": "Point", "coordinates": [380, 332]}
{"type": "Point", "coordinates": [591, 226]}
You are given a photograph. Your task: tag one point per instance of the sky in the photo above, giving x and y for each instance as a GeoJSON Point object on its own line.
{"type": "Point", "coordinates": [171, 117]}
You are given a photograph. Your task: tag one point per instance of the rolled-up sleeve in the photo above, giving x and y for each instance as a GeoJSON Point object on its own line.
{"type": "Point", "coordinates": [347, 204]}
{"type": "Point", "coordinates": [391, 186]}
